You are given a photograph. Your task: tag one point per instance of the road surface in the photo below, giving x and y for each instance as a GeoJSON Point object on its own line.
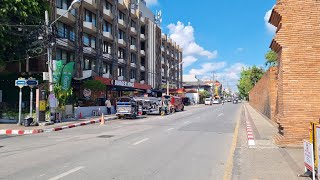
{"type": "Point", "coordinates": [193, 144]}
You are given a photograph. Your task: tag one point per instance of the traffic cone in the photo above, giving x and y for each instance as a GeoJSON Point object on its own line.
{"type": "Point", "coordinates": [102, 120]}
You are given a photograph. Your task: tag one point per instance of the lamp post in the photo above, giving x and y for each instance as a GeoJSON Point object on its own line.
{"type": "Point", "coordinates": [168, 74]}
{"type": "Point", "coordinates": [75, 4]}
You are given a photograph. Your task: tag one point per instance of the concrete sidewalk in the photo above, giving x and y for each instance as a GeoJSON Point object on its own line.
{"type": "Point", "coordinates": [264, 160]}
{"type": "Point", "coordinates": [6, 128]}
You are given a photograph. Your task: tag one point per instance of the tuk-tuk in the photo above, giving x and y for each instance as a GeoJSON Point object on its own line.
{"type": "Point", "coordinates": [152, 105]}
{"type": "Point", "coordinates": [128, 107]}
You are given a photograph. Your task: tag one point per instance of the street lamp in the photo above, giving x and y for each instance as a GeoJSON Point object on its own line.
{"type": "Point", "coordinates": [75, 4]}
{"type": "Point", "coordinates": [168, 74]}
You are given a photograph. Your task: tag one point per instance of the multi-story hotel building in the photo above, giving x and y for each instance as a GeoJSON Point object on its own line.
{"type": "Point", "coordinates": [117, 40]}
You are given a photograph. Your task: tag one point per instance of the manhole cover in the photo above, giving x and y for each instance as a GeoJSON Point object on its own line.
{"type": "Point", "coordinates": [105, 136]}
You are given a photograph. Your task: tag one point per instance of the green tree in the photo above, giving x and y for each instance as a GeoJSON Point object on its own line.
{"type": "Point", "coordinates": [271, 58]}
{"type": "Point", "coordinates": [203, 94]}
{"type": "Point", "coordinates": [20, 23]}
{"type": "Point", "coordinates": [95, 86]}
{"type": "Point", "coordinates": [248, 78]}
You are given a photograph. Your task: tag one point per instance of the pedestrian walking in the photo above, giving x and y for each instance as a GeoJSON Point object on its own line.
{"type": "Point", "coordinates": [108, 105]}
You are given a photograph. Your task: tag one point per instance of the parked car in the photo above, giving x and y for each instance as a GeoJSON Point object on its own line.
{"type": "Point", "coordinates": [128, 107]}
{"type": "Point", "coordinates": [216, 101]}
{"type": "Point", "coordinates": [208, 101]}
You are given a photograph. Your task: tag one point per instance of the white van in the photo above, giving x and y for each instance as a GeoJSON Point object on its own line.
{"type": "Point", "coordinates": [208, 101]}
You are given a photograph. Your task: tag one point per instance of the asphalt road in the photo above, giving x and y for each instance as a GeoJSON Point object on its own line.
{"type": "Point", "coordinates": [193, 144]}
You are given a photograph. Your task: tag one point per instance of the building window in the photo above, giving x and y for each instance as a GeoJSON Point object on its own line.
{"type": "Point", "coordinates": [86, 64]}
{"type": "Point", "coordinates": [132, 74]}
{"type": "Point", "coordinates": [133, 24]}
{"type": "Point", "coordinates": [93, 65]}
{"type": "Point", "coordinates": [107, 5]}
{"type": "Point", "coordinates": [143, 62]}
{"type": "Point", "coordinates": [133, 40]}
{"type": "Point", "coordinates": [142, 76]}
{"type": "Point", "coordinates": [89, 41]}
{"type": "Point", "coordinates": [106, 68]}
{"type": "Point", "coordinates": [62, 4]}
{"type": "Point", "coordinates": [107, 26]}
{"type": "Point", "coordinates": [120, 71]}
{"type": "Point", "coordinates": [65, 31]}
{"type": "Point", "coordinates": [107, 47]}
{"type": "Point", "coordinates": [121, 34]}
{"type": "Point", "coordinates": [90, 17]}
{"type": "Point", "coordinates": [64, 55]}
{"type": "Point", "coordinates": [133, 58]}
{"type": "Point", "coordinates": [121, 53]}
{"type": "Point", "coordinates": [121, 15]}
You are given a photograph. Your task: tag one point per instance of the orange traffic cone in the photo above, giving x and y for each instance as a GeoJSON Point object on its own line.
{"type": "Point", "coordinates": [102, 120]}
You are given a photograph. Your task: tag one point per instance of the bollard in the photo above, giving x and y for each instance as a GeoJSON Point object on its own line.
{"type": "Point", "coordinates": [102, 120]}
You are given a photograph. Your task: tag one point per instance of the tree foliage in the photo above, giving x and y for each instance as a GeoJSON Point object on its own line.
{"type": "Point", "coordinates": [20, 23]}
{"type": "Point", "coordinates": [94, 85]}
{"type": "Point", "coordinates": [271, 58]}
{"type": "Point", "coordinates": [248, 78]}
{"type": "Point", "coordinates": [62, 96]}
{"type": "Point", "coordinates": [203, 94]}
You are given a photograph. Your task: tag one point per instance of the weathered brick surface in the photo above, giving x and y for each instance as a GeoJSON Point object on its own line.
{"type": "Point", "coordinates": [263, 95]}
{"type": "Point", "coordinates": [297, 42]}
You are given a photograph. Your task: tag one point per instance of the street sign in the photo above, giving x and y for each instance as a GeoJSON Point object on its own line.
{"type": "Point", "coordinates": [32, 82]}
{"type": "Point", "coordinates": [21, 83]}
{"type": "Point", "coordinates": [308, 157]}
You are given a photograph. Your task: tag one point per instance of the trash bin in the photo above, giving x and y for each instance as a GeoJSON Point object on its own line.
{"type": "Point", "coordinates": [28, 121]}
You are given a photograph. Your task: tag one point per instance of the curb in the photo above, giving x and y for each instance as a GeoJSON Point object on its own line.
{"type": "Point", "coordinates": [250, 136]}
{"type": "Point", "coordinates": [37, 131]}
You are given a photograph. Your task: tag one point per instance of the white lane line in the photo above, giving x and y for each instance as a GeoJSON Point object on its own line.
{"type": "Point", "coordinates": [116, 127]}
{"type": "Point", "coordinates": [187, 122]}
{"type": "Point", "coordinates": [67, 173]}
{"type": "Point", "coordinates": [64, 139]}
{"type": "Point", "coordinates": [221, 114]}
{"type": "Point", "coordinates": [143, 140]}
{"type": "Point", "coordinates": [170, 129]}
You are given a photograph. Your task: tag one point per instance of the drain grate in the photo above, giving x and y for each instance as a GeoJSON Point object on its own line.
{"type": "Point", "coordinates": [105, 136]}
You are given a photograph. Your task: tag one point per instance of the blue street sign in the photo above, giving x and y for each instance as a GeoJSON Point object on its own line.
{"type": "Point", "coordinates": [32, 82]}
{"type": "Point", "coordinates": [21, 83]}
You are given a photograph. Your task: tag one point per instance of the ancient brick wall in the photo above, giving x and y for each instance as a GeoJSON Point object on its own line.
{"type": "Point", "coordinates": [263, 95]}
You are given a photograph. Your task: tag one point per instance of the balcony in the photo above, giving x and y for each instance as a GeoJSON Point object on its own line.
{"type": "Point", "coordinates": [133, 80]}
{"type": "Point", "coordinates": [107, 14]}
{"type": "Point", "coordinates": [134, 13]}
{"type": "Point", "coordinates": [168, 53]}
{"type": "Point", "coordinates": [107, 55]}
{"type": "Point", "coordinates": [89, 27]}
{"type": "Point", "coordinates": [162, 73]}
{"type": "Point", "coordinates": [142, 37]}
{"type": "Point", "coordinates": [67, 18]}
{"type": "Point", "coordinates": [142, 52]}
{"type": "Point", "coordinates": [90, 5]}
{"type": "Point", "coordinates": [107, 75]}
{"type": "Point", "coordinates": [107, 35]}
{"type": "Point", "coordinates": [121, 60]}
{"type": "Point", "coordinates": [142, 82]}
{"type": "Point", "coordinates": [143, 20]}
{"type": "Point", "coordinates": [162, 60]}
{"type": "Point", "coordinates": [120, 78]}
{"type": "Point", "coordinates": [122, 24]}
{"type": "Point", "coordinates": [85, 74]}
{"type": "Point", "coordinates": [162, 48]}
{"type": "Point", "coordinates": [133, 48]}
{"type": "Point", "coordinates": [122, 4]}
{"type": "Point", "coordinates": [65, 42]}
{"type": "Point", "coordinates": [133, 65]}
{"type": "Point", "coordinates": [89, 50]}
{"type": "Point", "coordinates": [142, 68]}
{"type": "Point", "coordinates": [121, 42]}
{"type": "Point", "coordinates": [133, 31]}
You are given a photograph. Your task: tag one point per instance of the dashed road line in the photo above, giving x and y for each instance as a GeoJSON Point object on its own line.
{"type": "Point", "coordinates": [170, 129]}
{"type": "Point", "coordinates": [141, 141]}
{"type": "Point", "coordinates": [67, 173]}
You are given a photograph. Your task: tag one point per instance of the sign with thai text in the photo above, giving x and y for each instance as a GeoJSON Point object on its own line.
{"type": "Point", "coordinates": [123, 83]}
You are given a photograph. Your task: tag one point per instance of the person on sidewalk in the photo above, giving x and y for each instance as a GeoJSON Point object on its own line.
{"type": "Point", "coordinates": [108, 105]}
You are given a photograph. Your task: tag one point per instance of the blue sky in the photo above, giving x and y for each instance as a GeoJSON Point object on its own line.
{"type": "Point", "coordinates": [220, 36]}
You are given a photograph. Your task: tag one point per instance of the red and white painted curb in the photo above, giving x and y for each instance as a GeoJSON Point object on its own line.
{"type": "Point", "coordinates": [250, 136]}
{"type": "Point", "coordinates": [37, 131]}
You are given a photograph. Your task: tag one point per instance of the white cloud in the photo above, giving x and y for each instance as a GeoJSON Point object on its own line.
{"type": "Point", "coordinates": [269, 26]}
{"type": "Point", "coordinates": [183, 35]}
{"type": "Point", "coordinates": [208, 68]}
{"type": "Point", "coordinates": [151, 2]}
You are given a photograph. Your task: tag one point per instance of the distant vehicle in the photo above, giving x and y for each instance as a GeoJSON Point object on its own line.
{"type": "Point", "coordinates": [186, 101]}
{"type": "Point", "coordinates": [216, 101]}
{"type": "Point", "coordinates": [208, 101]}
{"type": "Point", "coordinates": [229, 100]}
{"type": "Point", "coordinates": [128, 107]}
{"type": "Point", "coordinates": [239, 101]}
{"type": "Point", "coordinates": [177, 103]}
{"type": "Point", "coordinates": [235, 101]}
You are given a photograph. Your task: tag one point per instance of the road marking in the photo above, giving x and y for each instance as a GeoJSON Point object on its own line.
{"type": "Point", "coordinates": [229, 164]}
{"type": "Point", "coordinates": [143, 140]}
{"type": "Point", "coordinates": [116, 127]}
{"type": "Point", "coordinates": [187, 122]}
{"type": "Point", "coordinates": [64, 139]}
{"type": "Point", "coordinates": [170, 129]}
{"type": "Point", "coordinates": [221, 114]}
{"type": "Point", "coordinates": [67, 173]}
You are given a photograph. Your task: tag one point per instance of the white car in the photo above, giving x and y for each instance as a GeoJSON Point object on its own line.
{"type": "Point", "coordinates": [208, 101]}
{"type": "Point", "coordinates": [216, 101]}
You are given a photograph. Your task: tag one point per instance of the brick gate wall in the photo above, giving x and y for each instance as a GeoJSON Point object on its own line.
{"type": "Point", "coordinates": [264, 94]}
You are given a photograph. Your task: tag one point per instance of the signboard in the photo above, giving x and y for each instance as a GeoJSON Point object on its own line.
{"type": "Point", "coordinates": [32, 82]}
{"type": "Point", "coordinates": [308, 156]}
{"type": "Point", "coordinates": [52, 101]}
{"type": "Point", "coordinates": [57, 67]}
{"type": "Point", "coordinates": [42, 105]}
{"type": "Point", "coordinates": [87, 93]}
{"type": "Point", "coordinates": [66, 76]}
{"type": "Point", "coordinates": [21, 83]}
{"type": "Point", "coordinates": [123, 83]}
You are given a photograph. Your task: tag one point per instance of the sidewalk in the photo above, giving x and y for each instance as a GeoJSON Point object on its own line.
{"type": "Point", "coordinates": [6, 129]}
{"type": "Point", "coordinates": [264, 160]}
